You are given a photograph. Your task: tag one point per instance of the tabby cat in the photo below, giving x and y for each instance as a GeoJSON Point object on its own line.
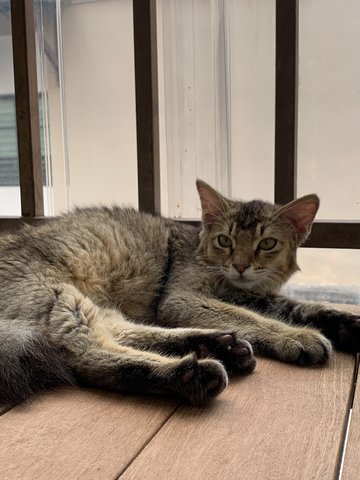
{"type": "Point", "coordinates": [127, 301]}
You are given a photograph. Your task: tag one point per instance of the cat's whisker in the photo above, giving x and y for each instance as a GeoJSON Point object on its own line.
{"type": "Point", "coordinates": [286, 222]}
{"type": "Point", "coordinates": [218, 217]}
{"type": "Point", "coordinates": [211, 224]}
{"type": "Point", "coordinates": [274, 278]}
{"type": "Point", "coordinates": [275, 270]}
{"type": "Point", "coordinates": [220, 207]}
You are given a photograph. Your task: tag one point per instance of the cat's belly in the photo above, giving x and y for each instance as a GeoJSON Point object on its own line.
{"type": "Point", "coordinates": [135, 295]}
{"type": "Point", "coordinates": [139, 301]}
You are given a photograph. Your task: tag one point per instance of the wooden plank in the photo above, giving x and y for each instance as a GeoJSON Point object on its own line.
{"type": "Point", "coordinates": [27, 108]}
{"type": "Point", "coordinates": [281, 422]}
{"type": "Point", "coordinates": [351, 466]}
{"type": "Point", "coordinates": [77, 434]}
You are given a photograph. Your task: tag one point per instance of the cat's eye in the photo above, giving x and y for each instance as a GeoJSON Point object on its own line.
{"type": "Point", "coordinates": [267, 243]}
{"type": "Point", "coordinates": [224, 241]}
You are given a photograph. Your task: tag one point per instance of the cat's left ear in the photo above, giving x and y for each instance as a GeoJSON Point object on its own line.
{"type": "Point", "coordinates": [301, 214]}
{"type": "Point", "coordinates": [213, 204]}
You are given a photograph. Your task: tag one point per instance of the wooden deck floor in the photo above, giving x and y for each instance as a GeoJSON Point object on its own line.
{"type": "Point", "coordinates": [281, 422]}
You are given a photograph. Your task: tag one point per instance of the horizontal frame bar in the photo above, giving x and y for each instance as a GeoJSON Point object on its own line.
{"type": "Point", "coordinates": [323, 235]}
{"type": "Point", "coordinates": [334, 235]}
{"type": "Point", "coordinates": [10, 224]}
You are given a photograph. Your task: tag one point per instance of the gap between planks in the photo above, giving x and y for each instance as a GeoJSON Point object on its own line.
{"type": "Point", "coordinates": [350, 467]}
{"type": "Point", "coordinates": [136, 454]}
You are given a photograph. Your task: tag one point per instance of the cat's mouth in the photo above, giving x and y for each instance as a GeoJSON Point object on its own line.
{"type": "Point", "coordinates": [246, 278]}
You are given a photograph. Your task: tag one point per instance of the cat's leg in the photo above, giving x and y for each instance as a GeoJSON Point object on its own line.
{"type": "Point", "coordinates": [302, 345]}
{"type": "Point", "coordinates": [75, 325]}
{"type": "Point", "coordinates": [342, 328]}
{"type": "Point", "coordinates": [236, 355]}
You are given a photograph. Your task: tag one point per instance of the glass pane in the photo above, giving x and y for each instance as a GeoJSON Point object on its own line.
{"type": "Point", "coordinates": [87, 102]}
{"type": "Point", "coordinates": [216, 83]}
{"type": "Point", "coordinates": [251, 33]}
{"type": "Point", "coordinates": [53, 151]}
{"type": "Point", "coordinates": [99, 109]}
{"type": "Point", "coordinates": [49, 113]}
{"type": "Point", "coordinates": [329, 106]}
{"type": "Point", "coordinates": [9, 166]}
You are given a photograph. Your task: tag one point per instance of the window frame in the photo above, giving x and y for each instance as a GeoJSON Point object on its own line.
{"type": "Point", "coordinates": [325, 234]}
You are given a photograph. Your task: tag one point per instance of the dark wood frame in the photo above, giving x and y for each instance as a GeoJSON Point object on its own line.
{"type": "Point", "coordinates": [285, 100]}
{"type": "Point", "coordinates": [27, 107]}
{"type": "Point", "coordinates": [324, 234]}
{"type": "Point", "coordinates": [146, 93]}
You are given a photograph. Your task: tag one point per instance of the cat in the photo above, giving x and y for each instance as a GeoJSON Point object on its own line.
{"type": "Point", "coordinates": [128, 301]}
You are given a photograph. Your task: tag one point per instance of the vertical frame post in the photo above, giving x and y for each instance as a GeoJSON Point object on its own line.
{"type": "Point", "coordinates": [145, 52]}
{"type": "Point", "coordinates": [27, 107]}
{"type": "Point", "coordinates": [286, 100]}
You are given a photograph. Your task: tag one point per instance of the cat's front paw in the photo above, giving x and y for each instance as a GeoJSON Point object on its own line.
{"type": "Point", "coordinates": [236, 355]}
{"type": "Point", "coordinates": [349, 334]}
{"type": "Point", "coordinates": [198, 381]}
{"type": "Point", "coordinates": [304, 347]}
{"type": "Point", "coordinates": [341, 327]}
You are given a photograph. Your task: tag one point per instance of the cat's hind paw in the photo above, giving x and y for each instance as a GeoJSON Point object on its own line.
{"type": "Point", "coordinates": [236, 355]}
{"type": "Point", "coordinates": [198, 381]}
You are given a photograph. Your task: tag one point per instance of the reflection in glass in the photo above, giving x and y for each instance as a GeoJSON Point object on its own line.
{"type": "Point", "coordinates": [9, 166]}
{"type": "Point", "coordinates": [50, 112]}
{"type": "Point", "coordinates": [48, 55]}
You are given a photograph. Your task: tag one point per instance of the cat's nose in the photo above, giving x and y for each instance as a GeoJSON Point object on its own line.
{"type": "Point", "coordinates": [240, 267]}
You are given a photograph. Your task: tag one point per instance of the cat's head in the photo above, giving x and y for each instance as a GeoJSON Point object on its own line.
{"type": "Point", "coordinates": [253, 244]}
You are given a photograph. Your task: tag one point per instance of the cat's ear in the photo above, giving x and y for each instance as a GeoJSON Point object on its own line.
{"type": "Point", "coordinates": [301, 214]}
{"type": "Point", "coordinates": [213, 204]}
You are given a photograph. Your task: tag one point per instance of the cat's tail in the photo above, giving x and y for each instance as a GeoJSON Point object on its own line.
{"type": "Point", "coordinates": [28, 363]}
